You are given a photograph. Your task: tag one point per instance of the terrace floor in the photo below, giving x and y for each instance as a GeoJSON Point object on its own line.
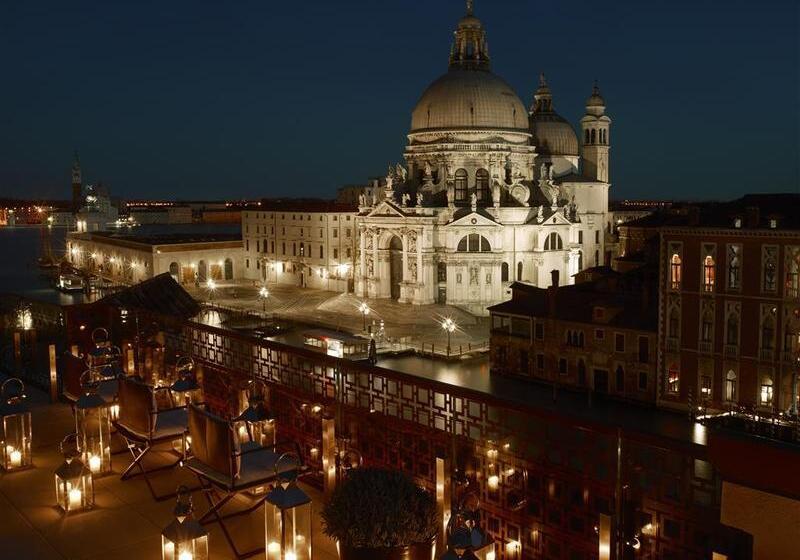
{"type": "Point", "coordinates": [126, 522]}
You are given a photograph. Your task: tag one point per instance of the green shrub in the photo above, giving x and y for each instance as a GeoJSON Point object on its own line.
{"type": "Point", "coordinates": [375, 508]}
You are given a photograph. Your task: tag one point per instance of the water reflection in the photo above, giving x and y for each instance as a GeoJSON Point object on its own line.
{"type": "Point", "coordinates": [471, 373]}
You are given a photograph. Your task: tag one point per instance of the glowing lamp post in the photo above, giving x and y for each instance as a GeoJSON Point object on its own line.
{"type": "Point", "coordinates": [212, 287]}
{"type": "Point", "coordinates": [93, 426]}
{"type": "Point", "coordinates": [363, 308]}
{"type": "Point", "coordinates": [185, 390]}
{"type": "Point", "coordinates": [449, 326]}
{"type": "Point", "coordinates": [256, 424]}
{"type": "Point", "coordinates": [287, 515]}
{"type": "Point", "coordinates": [263, 293]}
{"type": "Point", "coordinates": [74, 482]}
{"type": "Point", "coordinates": [184, 538]}
{"type": "Point", "coordinates": [15, 445]}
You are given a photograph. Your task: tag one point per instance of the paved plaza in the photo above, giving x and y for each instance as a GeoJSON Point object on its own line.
{"type": "Point", "coordinates": [126, 524]}
{"type": "Point", "coordinates": [413, 324]}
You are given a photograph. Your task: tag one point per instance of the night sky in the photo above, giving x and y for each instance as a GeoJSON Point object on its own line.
{"type": "Point", "coordinates": [254, 99]}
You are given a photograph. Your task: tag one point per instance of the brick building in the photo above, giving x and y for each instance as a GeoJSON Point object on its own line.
{"type": "Point", "coordinates": [730, 308]}
{"type": "Point", "coordinates": [599, 334]}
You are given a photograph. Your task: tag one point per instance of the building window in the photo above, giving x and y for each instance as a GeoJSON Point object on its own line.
{"type": "Point", "coordinates": [540, 361]}
{"type": "Point", "coordinates": [347, 252]}
{"type": "Point", "coordinates": [730, 386]}
{"type": "Point", "coordinates": [769, 259]}
{"type": "Point", "coordinates": [707, 327]}
{"type": "Point", "coordinates": [580, 236]}
{"type": "Point", "coordinates": [581, 372]}
{"type": "Point", "coordinates": [793, 275]}
{"type": "Point", "coordinates": [504, 272]}
{"type": "Point", "coordinates": [708, 274]}
{"type": "Point", "coordinates": [765, 397]}
{"type": "Point", "coordinates": [619, 342]}
{"type": "Point", "coordinates": [768, 333]}
{"type": "Point", "coordinates": [734, 267]}
{"type": "Point", "coordinates": [562, 366]}
{"type": "Point", "coordinates": [523, 361]}
{"type": "Point", "coordinates": [644, 350]}
{"type": "Point", "coordinates": [474, 243]}
{"type": "Point", "coordinates": [620, 375]}
{"type": "Point", "coordinates": [458, 278]}
{"type": "Point", "coordinates": [347, 232]}
{"type": "Point", "coordinates": [283, 248]}
{"type": "Point", "coordinates": [705, 386]}
{"type": "Point", "coordinates": [294, 249]}
{"type": "Point", "coordinates": [643, 381]}
{"type": "Point", "coordinates": [258, 245]}
{"type": "Point", "coordinates": [732, 330]}
{"type": "Point", "coordinates": [674, 328]}
{"type": "Point", "coordinates": [599, 334]}
{"type": "Point", "coordinates": [597, 236]}
{"type": "Point", "coordinates": [553, 242]}
{"type": "Point", "coordinates": [247, 245]}
{"type": "Point", "coordinates": [482, 185]}
{"type": "Point", "coordinates": [321, 253]}
{"type": "Point", "coordinates": [673, 379]}
{"type": "Point", "coordinates": [461, 185]}
{"type": "Point", "coordinates": [247, 263]}
{"type": "Point", "coordinates": [302, 250]}
{"type": "Point", "coordinates": [335, 233]}
{"type": "Point", "coordinates": [335, 253]}
{"type": "Point", "coordinates": [675, 272]}
{"type": "Point", "coordinates": [441, 272]}
{"type": "Point", "coordinates": [539, 331]}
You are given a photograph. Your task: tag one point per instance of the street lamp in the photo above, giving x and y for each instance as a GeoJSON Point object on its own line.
{"type": "Point", "coordinates": [363, 308]}
{"type": "Point", "coordinates": [184, 538]}
{"type": "Point", "coordinates": [263, 293]}
{"type": "Point", "coordinates": [212, 286]}
{"type": "Point", "coordinates": [15, 447]}
{"type": "Point", "coordinates": [449, 327]}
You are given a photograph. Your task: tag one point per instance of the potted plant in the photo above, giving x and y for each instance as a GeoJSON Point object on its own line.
{"type": "Point", "coordinates": [380, 514]}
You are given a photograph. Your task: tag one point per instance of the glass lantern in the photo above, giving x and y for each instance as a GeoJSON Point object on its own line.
{"type": "Point", "coordinates": [184, 538]}
{"type": "Point", "coordinates": [287, 514]}
{"type": "Point", "coordinates": [74, 482]}
{"type": "Point", "coordinates": [15, 445]}
{"type": "Point", "coordinates": [256, 424]}
{"type": "Point", "coordinates": [185, 390]}
{"type": "Point", "coordinates": [465, 523]}
{"type": "Point", "coordinates": [93, 426]}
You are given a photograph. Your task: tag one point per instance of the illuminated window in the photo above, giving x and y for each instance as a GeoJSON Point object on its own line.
{"type": "Point", "coordinates": [675, 272]}
{"type": "Point", "coordinates": [769, 259]}
{"type": "Point", "coordinates": [705, 386]}
{"type": "Point", "coordinates": [673, 379]}
{"type": "Point", "coordinates": [793, 277]}
{"type": "Point", "coordinates": [765, 397]}
{"type": "Point", "coordinates": [708, 274]}
{"type": "Point", "coordinates": [730, 386]}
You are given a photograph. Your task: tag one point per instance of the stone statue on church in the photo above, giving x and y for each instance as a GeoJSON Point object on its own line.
{"type": "Point", "coordinates": [419, 199]}
{"type": "Point", "coordinates": [473, 201]}
{"type": "Point", "coordinates": [401, 173]}
{"type": "Point", "coordinates": [404, 198]}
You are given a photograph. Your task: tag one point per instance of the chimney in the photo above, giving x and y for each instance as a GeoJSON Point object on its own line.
{"type": "Point", "coordinates": [751, 217]}
{"type": "Point", "coordinates": [552, 292]}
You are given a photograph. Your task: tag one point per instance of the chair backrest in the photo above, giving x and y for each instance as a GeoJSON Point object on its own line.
{"type": "Point", "coordinates": [213, 442]}
{"type": "Point", "coordinates": [137, 408]}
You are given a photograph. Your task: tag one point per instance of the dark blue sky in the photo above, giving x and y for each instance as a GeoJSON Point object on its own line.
{"type": "Point", "coordinates": [249, 99]}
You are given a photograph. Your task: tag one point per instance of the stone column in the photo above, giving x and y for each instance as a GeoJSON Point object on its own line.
{"type": "Point", "coordinates": [419, 258]}
{"type": "Point", "coordinates": [375, 261]}
{"type": "Point", "coordinates": [405, 257]}
{"type": "Point", "coordinates": [362, 258]}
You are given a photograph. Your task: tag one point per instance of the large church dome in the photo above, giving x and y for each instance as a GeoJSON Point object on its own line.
{"type": "Point", "coordinates": [464, 98]}
{"type": "Point", "coordinates": [469, 95]}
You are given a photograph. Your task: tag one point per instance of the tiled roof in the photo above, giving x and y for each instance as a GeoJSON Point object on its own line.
{"type": "Point", "coordinates": [160, 294]}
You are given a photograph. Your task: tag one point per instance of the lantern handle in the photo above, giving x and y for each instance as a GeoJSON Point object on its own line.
{"type": "Point", "coordinates": [288, 475]}
{"type": "Point", "coordinates": [184, 366]}
{"type": "Point", "coordinates": [69, 439]}
{"type": "Point", "coordinates": [5, 387]}
{"type": "Point", "coordinates": [96, 333]}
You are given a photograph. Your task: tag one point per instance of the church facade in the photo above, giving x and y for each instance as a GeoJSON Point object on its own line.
{"type": "Point", "coordinates": [490, 193]}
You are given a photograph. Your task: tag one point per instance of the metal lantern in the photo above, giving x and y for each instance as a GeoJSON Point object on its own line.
{"type": "Point", "coordinates": [465, 523]}
{"type": "Point", "coordinates": [185, 390]}
{"type": "Point", "coordinates": [256, 424]}
{"type": "Point", "coordinates": [93, 426]}
{"type": "Point", "coordinates": [15, 445]}
{"type": "Point", "coordinates": [74, 482]}
{"type": "Point", "coordinates": [184, 538]}
{"type": "Point", "coordinates": [287, 514]}
{"type": "Point", "coordinates": [459, 546]}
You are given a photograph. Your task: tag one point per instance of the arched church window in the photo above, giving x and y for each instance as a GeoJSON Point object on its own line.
{"type": "Point", "coordinates": [594, 136]}
{"type": "Point", "coordinates": [482, 185]}
{"type": "Point", "coordinates": [474, 243]}
{"type": "Point", "coordinates": [553, 242]}
{"type": "Point", "coordinates": [461, 185]}
{"type": "Point", "coordinates": [504, 272]}
{"type": "Point", "coordinates": [519, 270]}
{"type": "Point", "coordinates": [586, 136]}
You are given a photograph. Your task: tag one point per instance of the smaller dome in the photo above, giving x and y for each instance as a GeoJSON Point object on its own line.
{"type": "Point", "coordinates": [553, 135]}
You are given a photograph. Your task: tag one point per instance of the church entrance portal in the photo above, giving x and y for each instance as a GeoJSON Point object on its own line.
{"type": "Point", "coordinates": [395, 266]}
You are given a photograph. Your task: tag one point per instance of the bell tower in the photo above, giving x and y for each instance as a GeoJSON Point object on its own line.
{"type": "Point", "coordinates": [469, 51]}
{"type": "Point", "coordinates": [76, 184]}
{"type": "Point", "coordinates": [595, 126]}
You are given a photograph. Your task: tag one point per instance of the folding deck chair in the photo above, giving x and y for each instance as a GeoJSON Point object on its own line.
{"type": "Point", "coordinates": [144, 426]}
{"type": "Point", "coordinates": [225, 469]}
